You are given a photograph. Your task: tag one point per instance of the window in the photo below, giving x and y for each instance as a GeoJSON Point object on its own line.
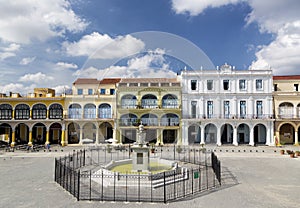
{"type": "Point", "coordinates": [193, 84]}
{"type": "Point", "coordinates": [259, 84]}
{"type": "Point", "coordinates": [102, 91]}
{"type": "Point", "coordinates": [90, 91]}
{"type": "Point", "coordinates": [209, 84]}
{"type": "Point", "coordinates": [210, 109]}
{"type": "Point", "coordinates": [242, 109]}
{"type": "Point", "coordinates": [79, 91]}
{"type": "Point", "coordinates": [259, 110]}
{"type": "Point", "coordinates": [275, 87]}
{"type": "Point", "coordinates": [226, 109]}
{"type": "Point", "coordinates": [194, 109]}
{"type": "Point", "coordinates": [296, 87]}
{"type": "Point", "coordinates": [242, 84]}
{"type": "Point", "coordinates": [226, 84]}
{"type": "Point", "coordinates": [112, 91]}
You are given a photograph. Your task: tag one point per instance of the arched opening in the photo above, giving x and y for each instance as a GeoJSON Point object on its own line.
{"type": "Point", "coordinates": [286, 110]}
{"type": "Point", "coordinates": [169, 136]}
{"type": "Point", "coordinates": [22, 134]}
{"type": "Point", "coordinates": [55, 111]}
{"type": "Point", "coordinates": [105, 132]}
{"type": "Point", "coordinates": [128, 101]}
{"type": "Point", "coordinates": [243, 134]}
{"type": "Point", "coordinates": [298, 110]}
{"type": "Point", "coordinates": [149, 101]}
{"type": "Point", "coordinates": [170, 101]}
{"type": "Point", "coordinates": [151, 135]}
{"type": "Point", "coordinates": [287, 133]}
{"type": "Point", "coordinates": [89, 111]}
{"type": "Point", "coordinates": [75, 111]}
{"type": "Point", "coordinates": [194, 134]}
{"type": "Point", "coordinates": [170, 119]}
{"type": "Point", "coordinates": [5, 132]}
{"type": "Point", "coordinates": [89, 133]}
{"type": "Point", "coordinates": [39, 133]}
{"type": "Point", "coordinates": [210, 134]}
{"type": "Point", "coordinates": [149, 120]}
{"type": "Point", "coordinates": [73, 133]}
{"type": "Point", "coordinates": [55, 133]}
{"type": "Point", "coordinates": [5, 112]}
{"type": "Point", "coordinates": [128, 135]}
{"type": "Point", "coordinates": [260, 134]}
{"type": "Point", "coordinates": [129, 120]}
{"type": "Point", "coordinates": [39, 111]}
{"type": "Point", "coordinates": [22, 112]}
{"type": "Point", "coordinates": [104, 111]}
{"type": "Point", "coordinates": [226, 134]}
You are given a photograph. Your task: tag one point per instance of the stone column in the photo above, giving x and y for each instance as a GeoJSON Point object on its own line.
{"type": "Point", "coordinates": [30, 138]}
{"type": "Point", "coordinates": [277, 138]}
{"type": "Point", "coordinates": [235, 136]}
{"type": "Point", "coordinates": [63, 133]}
{"type": "Point", "coordinates": [219, 136]}
{"type": "Point", "coordinates": [47, 137]}
{"type": "Point", "coordinates": [296, 138]}
{"type": "Point", "coordinates": [80, 134]}
{"type": "Point", "coordinates": [160, 137]}
{"type": "Point", "coordinates": [97, 134]}
{"type": "Point", "coordinates": [13, 138]}
{"type": "Point", "coordinates": [202, 135]}
{"type": "Point", "coordinates": [251, 142]}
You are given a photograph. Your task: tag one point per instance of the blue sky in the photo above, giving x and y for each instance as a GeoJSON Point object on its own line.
{"type": "Point", "coordinates": [52, 43]}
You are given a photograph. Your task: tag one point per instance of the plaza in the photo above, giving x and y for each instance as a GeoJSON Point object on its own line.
{"type": "Point", "coordinates": [251, 177]}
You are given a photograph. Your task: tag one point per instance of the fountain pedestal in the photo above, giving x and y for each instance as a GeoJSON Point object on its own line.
{"type": "Point", "coordinates": [140, 152]}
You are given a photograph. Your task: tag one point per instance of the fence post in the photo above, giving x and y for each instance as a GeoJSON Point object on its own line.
{"type": "Point", "coordinates": [174, 184]}
{"type": "Point", "coordinates": [139, 187]}
{"type": "Point", "coordinates": [126, 185]}
{"type": "Point", "coordinates": [192, 181]}
{"type": "Point", "coordinates": [200, 179]}
{"type": "Point", "coordinates": [174, 150]}
{"type": "Point", "coordinates": [114, 186]}
{"type": "Point", "coordinates": [165, 191]}
{"type": "Point", "coordinates": [102, 185]}
{"type": "Point", "coordinates": [90, 185]}
{"type": "Point", "coordinates": [78, 185]}
{"type": "Point", "coordinates": [151, 187]}
{"type": "Point", "coordinates": [83, 163]}
{"type": "Point", "coordinates": [55, 169]}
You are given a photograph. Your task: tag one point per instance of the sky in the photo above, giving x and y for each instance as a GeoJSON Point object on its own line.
{"type": "Point", "coordinates": [52, 43]}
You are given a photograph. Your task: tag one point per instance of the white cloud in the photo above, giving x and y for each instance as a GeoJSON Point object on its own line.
{"type": "Point", "coordinates": [6, 52]}
{"type": "Point", "coordinates": [196, 7]}
{"type": "Point", "coordinates": [64, 65]}
{"type": "Point", "coordinates": [17, 88]}
{"type": "Point", "coordinates": [102, 46]}
{"type": "Point", "coordinates": [27, 60]}
{"type": "Point", "coordinates": [143, 66]}
{"type": "Point", "coordinates": [26, 20]}
{"type": "Point", "coordinates": [61, 89]}
{"type": "Point", "coordinates": [12, 47]}
{"type": "Point", "coordinates": [36, 78]}
{"type": "Point", "coordinates": [5, 55]}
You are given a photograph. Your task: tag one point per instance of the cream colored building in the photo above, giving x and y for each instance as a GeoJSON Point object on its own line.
{"type": "Point", "coordinates": [286, 95]}
{"type": "Point", "coordinates": [153, 102]}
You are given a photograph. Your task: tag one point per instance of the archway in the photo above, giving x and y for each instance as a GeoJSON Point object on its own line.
{"type": "Point", "coordinates": [39, 111]}
{"type": "Point", "coordinates": [169, 101]}
{"type": "Point", "coordinates": [104, 111]}
{"type": "Point", "coordinates": [149, 101]}
{"type": "Point", "coordinates": [56, 111]}
{"type": "Point", "coordinates": [22, 133]}
{"type": "Point", "coordinates": [149, 120]}
{"type": "Point", "coordinates": [286, 110]}
{"type": "Point", "coordinates": [243, 134]}
{"type": "Point", "coordinates": [194, 134]}
{"type": "Point", "coordinates": [39, 133]}
{"type": "Point", "coordinates": [170, 119]}
{"type": "Point", "coordinates": [128, 120]}
{"type": "Point", "coordinates": [5, 132]}
{"type": "Point", "coordinates": [73, 133]}
{"type": "Point", "coordinates": [75, 111]}
{"type": "Point", "coordinates": [89, 132]}
{"type": "Point", "coordinates": [169, 136]}
{"type": "Point", "coordinates": [105, 132]}
{"type": "Point", "coordinates": [22, 112]}
{"type": "Point", "coordinates": [260, 134]}
{"type": "Point", "coordinates": [226, 134]}
{"type": "Point", "coordinates": [128, 135]}
{"type": "Point", "coordinates": [128, 101]}
{"type": "Point", "coordinates": [210, 134]}
{"type": "Point", "coordinates": [55, 133]}
{"type": "Point", "coordinates": [5, 112]}
{"type": "Point", "coordinates": [287, 133]}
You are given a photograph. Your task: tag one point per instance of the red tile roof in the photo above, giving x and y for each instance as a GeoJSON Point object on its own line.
{"type": "Point", "coordinates": [287, 77]}
{"type": "Point", "coordinates": [148, 80]}
{"type": "Point", "coordinates": [110, 81]}
{"type": "Point", "coordinates": [86, 81]}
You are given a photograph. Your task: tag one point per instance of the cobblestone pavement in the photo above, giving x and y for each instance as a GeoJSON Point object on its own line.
{"type": "Point", "coordinates": [252, 177]}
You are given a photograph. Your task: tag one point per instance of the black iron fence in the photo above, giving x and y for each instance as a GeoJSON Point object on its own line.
{"type": "Point", "coordinates": [82, 175]}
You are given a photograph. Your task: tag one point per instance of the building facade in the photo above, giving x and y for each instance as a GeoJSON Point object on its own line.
{"type": "Point", "coordinates": [155, 103]}
{"type": "Point", "coordinates": [227, 106]}
{"type": "Point", "coordinates": [286, 109]}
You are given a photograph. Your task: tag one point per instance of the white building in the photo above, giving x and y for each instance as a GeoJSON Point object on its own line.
{"type": "Point", "coordinates": [227, 106]}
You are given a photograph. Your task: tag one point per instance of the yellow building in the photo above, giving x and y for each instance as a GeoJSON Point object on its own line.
{"type": "Point", "coordinates": [153, 102]}
{"type": "Point", "coordinates": [286, 95]}
{"type": "Point", "coordinates": [33, 119]}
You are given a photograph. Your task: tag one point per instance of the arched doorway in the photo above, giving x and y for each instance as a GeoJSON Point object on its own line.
{"type": "Point", "coordinates": [22, 133]}
{"type": "Point", "coordinates": [194, 134]}
{"type": "Point", "coordinates": [210, 134]}
{"type": "Point", "coordinates": [73, 133]}
{"type": "Point", "coordinates": [226, 134]}
{"type": "Point", "coordinates": [89, 132]}
{"type": "Point", "coordinates": [55, 133]}
{"type": "Point", "coordinates": [39, 133]}
{"type": "Point", "coordinates": [243, 134]}
{"type": "Point", "coordinates": [260, 134]}
{"type": "Point", "coordinates": [5, 132]}
{"type": "Point", "coordinates": [105, 132]}
{"type": "Point", "coordinates": [287, 133]}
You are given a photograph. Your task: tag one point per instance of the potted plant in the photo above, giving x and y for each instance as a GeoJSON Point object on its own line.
{"type": "Point", "coordinates": [282, 152]}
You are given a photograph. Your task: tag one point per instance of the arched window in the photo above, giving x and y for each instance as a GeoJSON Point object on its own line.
{"type": "Point", "coordinates": [5, 112]}
{"type": "Point", "coordinates": [89, 111]}
{"type": "Point", "coordinates": [128, 120]}
{"type": "Point", "coordinates": [104, 111]}
{"type": "Point", "coordinates": [170, 119]}
{"type": "Point", "coordinates": [169, 101]}
{"type": "Point", "coordinates": [22, 111]}
{"type": "Point", "coordinates": [55, 111]}
{"type": "Point", "coordinates": [149, 120]}
{"type": "Point", "coordinates": [39, 111]}
{"type": "Point", "coordinates": [75, 111]}
{"type": "Point", "coordinates": [149, 101]}
{"type": "Point", "coordinates": [128, 101]}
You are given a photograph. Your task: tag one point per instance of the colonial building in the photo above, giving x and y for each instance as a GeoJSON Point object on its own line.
{"type": "Point", "coordinates": [227, 106]}
{"type": "Point", "coordinates": [91, 111]}
{"type": "Point", "coordinates": [156, 103]}
{"type": "Point", "coordinates": [35, 118]}
{"type": "Point", "coordinates": [287, 109]}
